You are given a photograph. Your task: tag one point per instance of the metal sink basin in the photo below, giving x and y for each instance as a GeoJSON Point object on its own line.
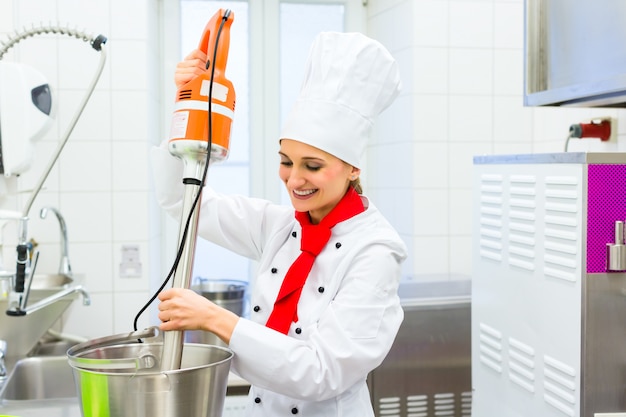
{"type": "Point", "coordinates": [23, 332]}
{"type": "Point", "coordinates": [39, 378]}
{"type": "Point", "coordinates": [52, 348]}
{"type": "Point", "coordinates": [48, 281]}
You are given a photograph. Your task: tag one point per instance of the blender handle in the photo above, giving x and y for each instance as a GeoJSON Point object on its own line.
{"type": "Point", "coordinates": [145, 361]}
{"type": "Point", "coordinates": [149, 332]}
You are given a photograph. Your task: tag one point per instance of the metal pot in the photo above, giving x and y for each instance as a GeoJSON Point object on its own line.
{"type": "Point", "coordinates": [125, 380]}
{"type": "Point", "coordinates": [229, 294]}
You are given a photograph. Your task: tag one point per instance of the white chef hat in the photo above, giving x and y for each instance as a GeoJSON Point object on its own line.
{"type": "Point", "coordinates": [349, 80]}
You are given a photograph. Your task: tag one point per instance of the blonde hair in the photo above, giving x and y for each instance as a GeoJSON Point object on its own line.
{"type": "Point", "coordinates": [356, 184]}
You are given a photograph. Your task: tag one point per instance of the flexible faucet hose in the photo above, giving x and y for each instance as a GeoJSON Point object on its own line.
{"type": "Point", "coordinates": [96, 42]}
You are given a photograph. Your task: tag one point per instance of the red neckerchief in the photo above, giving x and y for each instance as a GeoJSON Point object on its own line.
{"type": "Point", "coordinates": [314, 238]}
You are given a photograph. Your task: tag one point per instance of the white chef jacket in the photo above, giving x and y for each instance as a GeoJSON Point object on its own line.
{"type": "Point", "coordinates": [348, 314]}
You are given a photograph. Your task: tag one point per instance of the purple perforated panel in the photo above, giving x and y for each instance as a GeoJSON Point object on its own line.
{"type": "Point", "coordinates": [606, 204]}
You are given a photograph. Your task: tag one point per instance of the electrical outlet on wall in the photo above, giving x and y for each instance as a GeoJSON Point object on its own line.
{"type": "Point", "coordinates": [130, 266]}
{"type": "Point", "coordinates": [612, 126]}
{"type": "Point", "coordinates": [613, 121]}
{"type": "Point", "coordinates": [603, 128]}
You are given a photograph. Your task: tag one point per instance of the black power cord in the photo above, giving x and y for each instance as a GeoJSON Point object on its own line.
{"type": "Point", "coordinates": [194, 206]}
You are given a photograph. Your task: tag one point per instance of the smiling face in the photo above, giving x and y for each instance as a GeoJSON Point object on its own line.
{"type": "Point", "coordinates": [315, 180]}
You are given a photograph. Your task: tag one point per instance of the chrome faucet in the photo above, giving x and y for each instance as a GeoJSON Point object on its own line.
{"type": "Point", "coordinates": [56, 297]}
{"type": "Point", "coordinates": [18, 298]}
{"type": "Point", "coordinates": [64, 267]}
{"type": "Point", "coordinates": [22, 309]}
{"type": "Point", "coordinates": [3, 351]}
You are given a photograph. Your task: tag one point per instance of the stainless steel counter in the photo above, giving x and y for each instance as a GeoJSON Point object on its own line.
{"type": "Point", "coordinates": [553, 158]}
{"type": "Point", "coordinates": [64, 407]}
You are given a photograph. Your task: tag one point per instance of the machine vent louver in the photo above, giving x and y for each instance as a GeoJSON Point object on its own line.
{"type": "Point", "coordinates": [522, 221]}
{"type": "Point", "coordinates": [424, 405]}
{"type": "Point", "coordinates": [490, 347]}
{"type": "Point", "coordinates": [562, 228]}
{"type": "Point", "coordinates": [184, 95]}
{"type": "Point", "coordinates": [560, 385]}
{"type": "Point", "coordinates": [522, 364]}
{"type": "Point", "coordinates": [491, 217]}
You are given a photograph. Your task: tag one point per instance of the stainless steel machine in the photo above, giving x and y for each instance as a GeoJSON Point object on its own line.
{"type": "Point", "coordinates": [428, 370]}
{"type": "Point", "coordinates": [549, 286]}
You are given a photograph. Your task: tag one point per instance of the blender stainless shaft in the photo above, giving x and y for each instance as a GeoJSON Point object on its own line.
{"type": "Point", "coordinates": [197, 135]}
{"type": "Point", "coordinates": [173, 340]}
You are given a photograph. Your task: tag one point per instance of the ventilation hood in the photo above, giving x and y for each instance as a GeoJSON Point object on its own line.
{"type": "Point", "coordinates": [575, 53]}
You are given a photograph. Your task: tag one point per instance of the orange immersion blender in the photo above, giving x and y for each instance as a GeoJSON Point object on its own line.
{"type": "Point", "coordinates": [190, 125]}
{"type": "Point", "coordinates": [201, 121]}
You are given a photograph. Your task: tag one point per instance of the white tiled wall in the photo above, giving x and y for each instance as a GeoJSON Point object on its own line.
{"type": "Point", "coordinates": [101, 182]}
{"type": "Point", "coordinates": [461, 63]}
{"type": "Point", "coordinates": [462, 71]}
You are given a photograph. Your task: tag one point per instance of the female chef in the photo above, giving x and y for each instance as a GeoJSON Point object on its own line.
{"type": "Point", "coordinates": [325, 309]}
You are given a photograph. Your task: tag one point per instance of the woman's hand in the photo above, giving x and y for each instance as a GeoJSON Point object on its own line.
{"type": "Point", "coordinates": [184, 309]}
{"type": "Point", "coordinates": [193, 65]}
